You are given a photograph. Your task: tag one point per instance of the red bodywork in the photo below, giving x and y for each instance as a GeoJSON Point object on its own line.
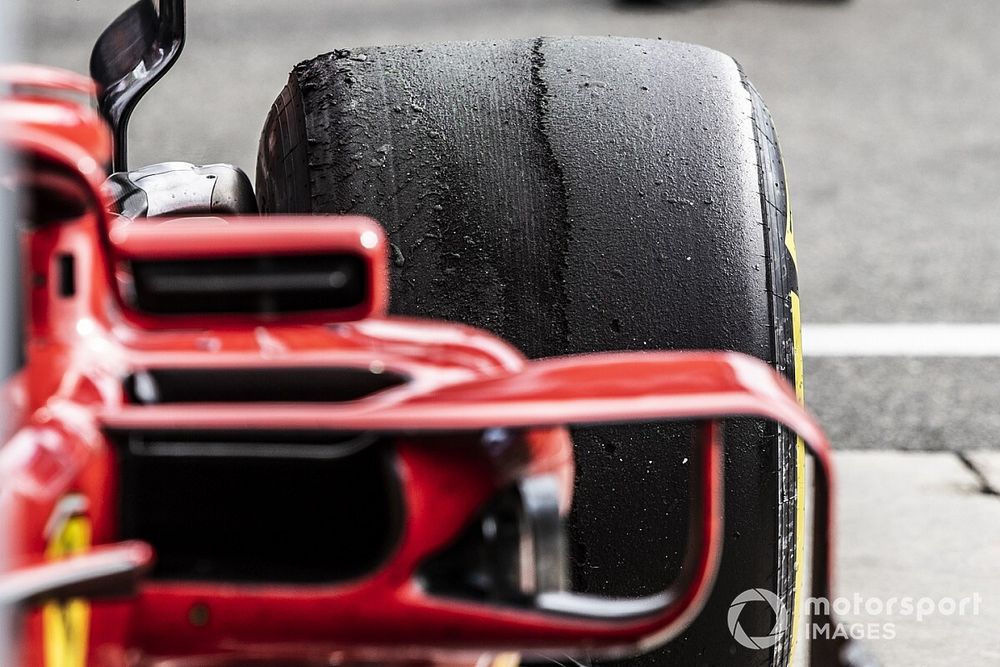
{"type": "Point", "coordinates": [460, 384]}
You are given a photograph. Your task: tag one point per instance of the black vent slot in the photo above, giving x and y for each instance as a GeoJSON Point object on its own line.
{"type": "Point", "coordinates": [259, 507]}
{"type": "Point", "coordinates": [248, 285]}
{"type": "Point", "coordinates": [66, 263]}
{"type": "Point", "coordinates": [252, 385]}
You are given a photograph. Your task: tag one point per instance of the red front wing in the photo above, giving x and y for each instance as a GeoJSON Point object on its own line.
{"type": "Point", "coordinates": [389, 614]}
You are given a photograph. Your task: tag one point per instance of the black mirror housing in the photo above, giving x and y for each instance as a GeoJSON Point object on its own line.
{"type": "Point", "coordinates": [130, 56]}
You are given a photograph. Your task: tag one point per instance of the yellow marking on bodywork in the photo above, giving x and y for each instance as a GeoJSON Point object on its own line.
{"type": "Point", "coordinates": [506, 660]}
{"type": "Point", "coordinates": [67, 624]}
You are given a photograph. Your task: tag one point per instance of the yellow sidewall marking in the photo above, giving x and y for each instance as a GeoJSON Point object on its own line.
{"type": "Point", "coordinates": [790, 237]}
{"type": "Point", "coordinates": [800, 473]}
{"type": "Point", "coordinates": [800, 454]}
{"type": "Point", "coordinates": [67, 625]}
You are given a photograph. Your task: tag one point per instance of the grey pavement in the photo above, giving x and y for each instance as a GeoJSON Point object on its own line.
{"type": "Point", "coordinates": [986, 465]}
{"type": "Point", "coordinates": [906, 403]}
{"type": "Point", "coordinates": [916, 525]}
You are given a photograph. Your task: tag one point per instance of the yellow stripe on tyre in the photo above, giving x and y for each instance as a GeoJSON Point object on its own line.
{"type": "Point", "coordinates": [800, 453]}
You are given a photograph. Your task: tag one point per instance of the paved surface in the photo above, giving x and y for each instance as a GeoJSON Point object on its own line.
{"type": "Point", "coordinates": [887, 111]}
{"type": "Point", "coordinates": [906, 403]}
{"type": "Point", "coordinates": [917, 525]}
{"type": "Point", "coordinates": [986, 465]}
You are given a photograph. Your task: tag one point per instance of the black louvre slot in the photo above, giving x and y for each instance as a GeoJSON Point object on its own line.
{"type": "Point", "coordinates": [67, 275]}
{"type": "Point", "coordinates": [249, 285]}
{"type": "Point", "coordinates": [259, 507]}
{"type": "Point", "coordinates": [252, 385]}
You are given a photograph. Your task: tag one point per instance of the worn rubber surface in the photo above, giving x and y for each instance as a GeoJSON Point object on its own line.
{"type": "Point", "coordinates": [576, 195]}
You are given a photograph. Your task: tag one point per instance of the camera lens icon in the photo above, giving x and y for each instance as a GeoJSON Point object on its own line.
{"type": "Point", "coordinates": [758, 596]}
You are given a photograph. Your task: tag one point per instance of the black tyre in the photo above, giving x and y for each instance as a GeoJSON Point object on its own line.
{"type": "Point", "coordinates": [577, 195]}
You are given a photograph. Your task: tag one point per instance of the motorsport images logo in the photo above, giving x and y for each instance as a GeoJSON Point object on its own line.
{"type": "Point", "coordinates": [756, 596]}
{"type": "Point", "coordinates": [880, 615]}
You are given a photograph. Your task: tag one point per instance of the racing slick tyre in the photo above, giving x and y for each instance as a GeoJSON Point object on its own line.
{"type": "Point", "coordinates": [575, 195]}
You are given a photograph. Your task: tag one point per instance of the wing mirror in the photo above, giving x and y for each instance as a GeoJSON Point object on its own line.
{"type": "Point", "coordinates": [131, 55]}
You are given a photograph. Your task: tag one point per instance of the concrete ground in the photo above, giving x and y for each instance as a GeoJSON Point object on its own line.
{"type": "Point", "coordinates": [887, 111]}
{"type": "Point", "coordinates": [920, 525]}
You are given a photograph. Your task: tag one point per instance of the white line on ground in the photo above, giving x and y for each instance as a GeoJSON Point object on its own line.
{"type": "Point", "coordinates": [901, 340]}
